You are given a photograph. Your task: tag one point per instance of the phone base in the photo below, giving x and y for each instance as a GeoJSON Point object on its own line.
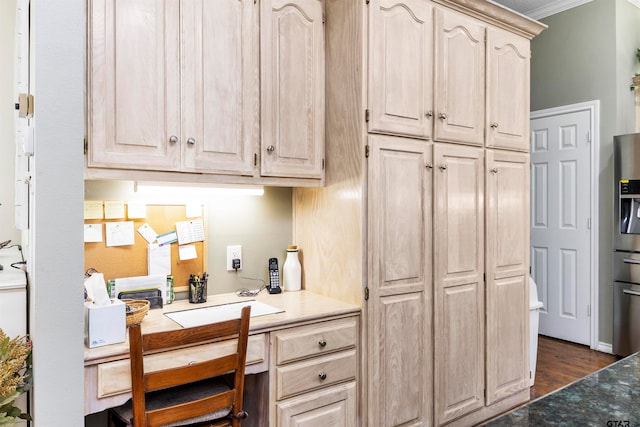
{"type": "Point", "coordinates": [274, 290]}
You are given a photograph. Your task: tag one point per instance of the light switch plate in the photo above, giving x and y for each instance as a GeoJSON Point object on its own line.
{"type": "Point", "coordinates": [234, 252]}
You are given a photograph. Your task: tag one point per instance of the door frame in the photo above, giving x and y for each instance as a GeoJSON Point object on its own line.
{"type": "Point", "coordinates": [593, 107]}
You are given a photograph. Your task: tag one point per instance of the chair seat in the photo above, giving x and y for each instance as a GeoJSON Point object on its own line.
{"type": "Point", "coordinates": [177, 395]}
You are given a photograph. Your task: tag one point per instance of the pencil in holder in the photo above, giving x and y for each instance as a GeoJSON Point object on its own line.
{"type": "Point", "coordinates": [197, 289]}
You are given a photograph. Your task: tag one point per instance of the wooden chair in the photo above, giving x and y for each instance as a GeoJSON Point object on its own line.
{"type": "Point", "coordinates": [198, 394]}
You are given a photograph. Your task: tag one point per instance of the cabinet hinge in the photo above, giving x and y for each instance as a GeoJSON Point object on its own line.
{"type": "Point", "coordinates": [588, 310]}
{"type": "Point", "coordinates": [366, 151]}
{"type": "Point", "coordinates": [366, 115]}
{"type": "Point", "coordinates": [588, 136]}
{"type": "Point", "coordinates": [324, 19]}
{"type": "Point", "coordinates": [366, 293]}
{"type": "Point", "coordinates": [86, 146]}
{"type": "Point", "coordinates": [484, 277]}
{"type": "Point", "coordinates": [255, 159]}
{"type": "Point", "coordinates": [322, 164]}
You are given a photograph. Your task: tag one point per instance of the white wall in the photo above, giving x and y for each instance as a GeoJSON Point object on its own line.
{"type": "Point", "coordinates": [56, 240]}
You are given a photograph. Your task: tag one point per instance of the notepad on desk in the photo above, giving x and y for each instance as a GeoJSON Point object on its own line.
{"type": "Point", "coordinates": [218, 313]}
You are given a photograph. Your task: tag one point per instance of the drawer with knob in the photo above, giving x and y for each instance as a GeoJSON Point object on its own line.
{"type": "Point", "coordinates": [310, 341]}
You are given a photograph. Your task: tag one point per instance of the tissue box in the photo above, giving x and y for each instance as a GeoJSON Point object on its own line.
{"type": "Point", "coordinates": [105, 324]}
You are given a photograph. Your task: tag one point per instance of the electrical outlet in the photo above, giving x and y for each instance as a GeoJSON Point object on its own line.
{"type": "Point", "coordinates": [234, 252]}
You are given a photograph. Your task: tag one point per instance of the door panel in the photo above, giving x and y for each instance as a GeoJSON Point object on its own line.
{"type": "Point", "coordinates": [560, 235]}
{"type": "Point", "coordinates": [400, 77]}
{"type": "Point", "coordinates": [220, 62]}
{"type": "Point", "coordinates": [399, 282]}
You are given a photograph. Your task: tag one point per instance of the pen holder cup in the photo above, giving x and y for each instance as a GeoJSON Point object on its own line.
{"type": "Point", "coordinates": [197, 291]}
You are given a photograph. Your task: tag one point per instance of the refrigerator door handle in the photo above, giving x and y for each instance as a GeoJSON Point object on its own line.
{"type": "Point", "coordinates": [629, 292]}
{"type": "Point", "coordinates": [631, 261]}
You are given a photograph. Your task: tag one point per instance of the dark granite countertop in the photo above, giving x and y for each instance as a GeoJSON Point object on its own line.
{"type": "Point", "coordinates": [609, 397]}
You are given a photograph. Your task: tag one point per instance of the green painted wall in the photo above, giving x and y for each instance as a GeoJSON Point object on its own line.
{"type": "Point", "coordinates": [586, 54]}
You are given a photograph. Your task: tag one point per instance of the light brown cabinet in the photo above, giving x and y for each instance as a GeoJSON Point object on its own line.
{"type": "Point", "coordinates": [442, 307]}
{"type": "Point", "coordinates": [177, 86]}
{"type": "Point", "coordinates": [314, 374]}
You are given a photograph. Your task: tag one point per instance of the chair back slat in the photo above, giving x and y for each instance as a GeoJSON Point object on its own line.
{"type": "Point", "coordinates": [143, 382]}
{"type": "Point", "coordinates": [187, 374]}
{"type": "Point", "coordinates": [188, 410]}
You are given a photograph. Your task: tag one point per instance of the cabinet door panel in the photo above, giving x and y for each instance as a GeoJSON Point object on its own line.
{"type": "Point", "coordinates": [507, 90]}
{"type": "Point", "coordinates": [507, 264]}
{"type": "Point", "coordinates": [458, 280]}
{"type": "Point", "coordinates": [459, 78]}
{"type": "Point", "coordinates": [328, 407]}
{"type": "Point", "coordinates": [134, 103]}
{"type": "Point", "coordinates": [292, 61]}
{"type": "Point", "coordinates": [399, 282]}
{"type": "Point", "coordinates": [400, 76]}
{"type": "Point", "coordinates": [220, 86]}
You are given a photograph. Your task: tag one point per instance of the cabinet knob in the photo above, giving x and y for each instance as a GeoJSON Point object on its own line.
{"type": "Point", "coordinates": [191, 141]}
{"type": "Point", "coordinates": [429, 114]}
{"type": "Point", "coordinates": [443, 167]}
{"type": "Point", "coordinates": [494, 170]}
{"type": "Point", "coordinates": [322, 375]}
{"type": "Point", "coordinates": [322, 343]}
{"type": "Point", "coordinates": [494, 125]}
{"type": "Point", "coordinates": [442, 116]}
{"type": "Point", "coordinates": [429, 166]}
{"type": "Point", "coordinates": [173, 139]}
{"type": "Point", "coordinates": [271, 148]}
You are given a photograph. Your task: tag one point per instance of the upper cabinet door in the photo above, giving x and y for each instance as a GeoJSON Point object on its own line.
{"type": "Point", "coordinates": [400, 74]}
{"type": "Point", "coordinates": [507, 90]}
{"type": "Point", "coordinates": [134, 84]}
{"type": "Point", "coordinates": [292, 64]}
{"type": "Point", "coordinates": [220, 84]}
{"type": "Point", "coordinates": [459, 78]}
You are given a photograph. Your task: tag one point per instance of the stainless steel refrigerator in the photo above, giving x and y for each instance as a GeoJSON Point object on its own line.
{"type": "Point", "coordinates": [626, 255]}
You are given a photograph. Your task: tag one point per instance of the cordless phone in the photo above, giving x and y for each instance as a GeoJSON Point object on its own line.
{"type": "Point", "coordinates": [274, 277]}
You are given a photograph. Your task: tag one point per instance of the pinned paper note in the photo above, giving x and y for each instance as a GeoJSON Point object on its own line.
{"type": "Point", "coordinates": [93, 209]}
{"type": "Point", "coordinates": [92, 233]}
{"type": "Point", "coordinates": [136, 210]}
{"type": "Point", "coordinates": [187, 252]}
{"type": "Point", "coordinates": [159, 259]}
{"type": "Point", "coordinates": [120, 233]}
{"type": "Point", "coordinates": [148, 233]}
{"type": "Point", "coordinates": [193, 210]}
{"type": "Point", "coordinates": [167, 238]}
{"type": "Point", "coordinates": [190, 231]}
{"type": "Point", "coordinates": [113, 209]}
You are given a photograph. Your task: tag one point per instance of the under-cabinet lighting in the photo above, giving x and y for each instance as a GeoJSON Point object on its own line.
{"type": "Point", "coordinates": [194, 190]}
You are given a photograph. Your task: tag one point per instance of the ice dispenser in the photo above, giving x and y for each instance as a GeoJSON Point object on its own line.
{"type": "Point", "coordinates": [629, 204]}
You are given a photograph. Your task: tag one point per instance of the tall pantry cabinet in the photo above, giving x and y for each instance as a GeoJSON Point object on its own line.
{"type": "Point", "coordinates": [423, 218]}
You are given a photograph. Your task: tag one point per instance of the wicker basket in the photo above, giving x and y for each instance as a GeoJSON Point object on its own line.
{"type": "Point", "coordinates": [136, 310]}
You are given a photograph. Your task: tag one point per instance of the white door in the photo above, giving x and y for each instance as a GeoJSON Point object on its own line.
{"type": "Point", "coordinates": [560, 223]}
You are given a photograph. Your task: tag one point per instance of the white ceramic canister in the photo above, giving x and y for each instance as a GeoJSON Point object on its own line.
{"type": "Point", "coordinates": [292, 270]}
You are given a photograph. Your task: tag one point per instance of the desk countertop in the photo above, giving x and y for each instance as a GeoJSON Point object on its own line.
{"type": "Point", "coordinates": [299, 307]}
{"type": "Point", "coordinates": [608, 397]}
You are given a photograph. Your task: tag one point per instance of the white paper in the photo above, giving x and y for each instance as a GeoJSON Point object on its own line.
{"type": "Point", "coordinates": [193, 210]}
{"type": "Point", "coordinates": [136, 210]}
{"type": "Point", "coordinates": [120, 233]}
{"type": "Point", "coordinates": [156, 281]}
{"type": "Point", "coordinates": [93, 233]}
{"type": "Point", "coordinates": [97, 289]}
{"type": "Point", "coordinates": [190, 231]}
{"type": "Point", "coordinates": [113, 209]}
{"type": "Point", "coordinates": [167, 238]}
{"type": "Point", "coordinates": [159, 259]}
{"type": "Point", "coordinates": [93, 209]}
{"type": "Point", "coordinates": [148, 233]}
{"type": "Point", "coordinates": [218, 313]}
{"type": "Point", "coordinates": [187, 252]}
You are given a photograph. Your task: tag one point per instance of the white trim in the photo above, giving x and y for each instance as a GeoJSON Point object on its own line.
{"type": "Point", "coordinates": [556, 7]}
{"type": "Point", "coordinates": [593, 107]}
{"type": "Point", "coordinates": [604, 347]}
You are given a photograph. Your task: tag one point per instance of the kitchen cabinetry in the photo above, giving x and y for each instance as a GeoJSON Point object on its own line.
{"type": "Point", "coordinates": [292, 64]}
{"type": "Point", "coordinates": [315, 370]}
{"type": "Point", "coordinates": [442, 307]}
{"type": "Point", "coordinates": [175, 86]}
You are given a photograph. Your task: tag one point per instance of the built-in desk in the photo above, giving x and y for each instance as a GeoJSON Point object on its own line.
{"type": "Point", "coordinates": [306, 354]}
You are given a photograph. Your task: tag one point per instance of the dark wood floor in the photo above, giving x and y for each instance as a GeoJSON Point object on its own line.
{"type": "Point", "coordinates": [560, 363]}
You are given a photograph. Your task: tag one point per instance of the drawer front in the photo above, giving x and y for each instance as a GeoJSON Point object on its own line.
{"type": "Point", "coordinates": [313, 340]}
{"type": "Point", "coordinates": [115, 377]}
{"type": "Point", "coordinates": [315, 373]}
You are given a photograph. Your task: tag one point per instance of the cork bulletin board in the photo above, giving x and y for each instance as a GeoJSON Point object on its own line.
{"type": "Point", "coordinates": [131, 260]}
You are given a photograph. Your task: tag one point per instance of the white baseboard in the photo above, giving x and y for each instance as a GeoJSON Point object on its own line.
{"type": "Point", "coordinates": [604, 347]}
